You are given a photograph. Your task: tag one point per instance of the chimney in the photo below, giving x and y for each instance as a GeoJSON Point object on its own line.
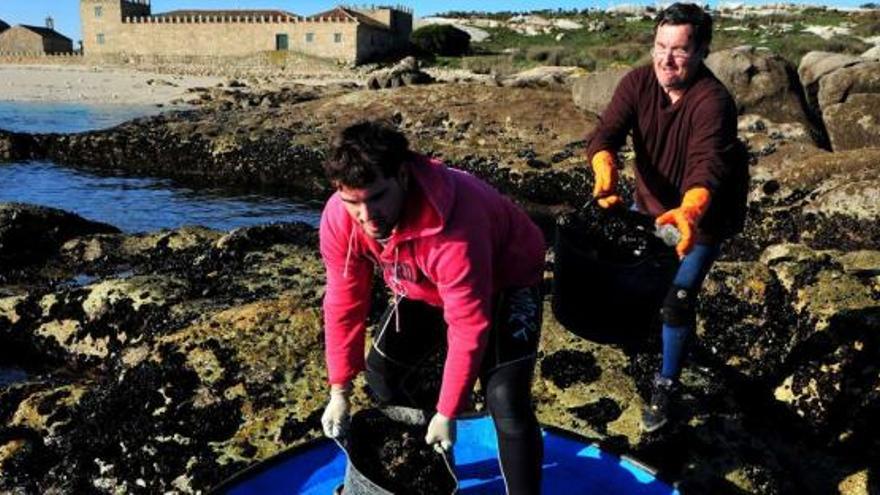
{"type": "Point", "coordinates": [50, 23]}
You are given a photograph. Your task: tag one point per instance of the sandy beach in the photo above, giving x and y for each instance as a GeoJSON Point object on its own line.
{"type": "Point", "coordinates": [84, 84]}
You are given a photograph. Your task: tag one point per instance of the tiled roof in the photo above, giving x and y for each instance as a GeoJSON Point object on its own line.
{"type": "Point", "coordinates": [344, 14]}
{"type": "Point", "coordinates": [45, 32]}
{"type": "Point", "coordinates": [3, 25]}
{"type": "Point", "coordinates": [226, 13]}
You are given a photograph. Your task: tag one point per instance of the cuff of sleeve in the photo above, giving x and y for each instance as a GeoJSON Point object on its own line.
{"type": "Point", "coordinates": [703, 182]}
{"type": "Point", "coordinates": [342, 379]}
{"type": "Point", "coordinates": [602, 158]}
{"type": "Point", "coordinates": [451, 407]}
{"type": "Point", "coordinates": [446, 412]}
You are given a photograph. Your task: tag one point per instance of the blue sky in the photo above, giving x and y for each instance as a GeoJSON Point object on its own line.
{"type": "Point", "coordinates": [66, 12]}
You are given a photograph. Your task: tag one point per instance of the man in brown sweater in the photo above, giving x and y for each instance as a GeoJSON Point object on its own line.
{"type": "Point", "coordinates": [691, 170]}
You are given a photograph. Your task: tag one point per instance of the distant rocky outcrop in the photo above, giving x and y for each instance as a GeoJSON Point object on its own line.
{"type": "Point", "coordinates": [849, 98]}
{"type": "Point", "coordinates": [404, 73]}
{"type": "Point", "coordinates": [593, 92]}
{"type": "Point", "coordinates": [815, 65]}
{"type": "Point", "coordinates": [477, 35]}
{"type": "Point", "coordinates": [540, 77]}
{"type": "Point", "coordinates": [872, 53]}
{"type": "Point", "coordinates": [766, 84]}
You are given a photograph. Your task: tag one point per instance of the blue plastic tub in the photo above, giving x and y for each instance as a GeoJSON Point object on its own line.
{"type": "Point", "coordinates": [572, 466]}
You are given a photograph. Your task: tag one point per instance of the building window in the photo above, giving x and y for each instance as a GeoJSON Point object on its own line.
{"type": "Point", "coordinates": [100, 38]}
{"type": "Point", "coordinates": [310, 37]}
{"type": "Point", "coordinates": [337, 37]}
{"type": "Point", "coordinates": [99, 11]}
{"type": "Point", "coordinates": [281, 42]}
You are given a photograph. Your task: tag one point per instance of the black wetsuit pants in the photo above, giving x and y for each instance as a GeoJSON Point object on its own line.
{"type": "Point", "coordinates": [404, 367]}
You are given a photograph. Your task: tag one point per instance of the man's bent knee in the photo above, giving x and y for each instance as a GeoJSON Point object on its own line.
{"type": "Point", "coordinates": [679, 307]}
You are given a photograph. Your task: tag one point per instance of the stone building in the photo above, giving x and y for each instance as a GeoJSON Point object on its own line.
{"type": "Point", "coordinates": [128, 27]}
{"type": "Point", "coordinates": [33, 39]}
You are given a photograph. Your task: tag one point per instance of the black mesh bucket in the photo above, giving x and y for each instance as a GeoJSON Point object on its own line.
{"type": "Point", "coordinates": [610, 275]}
{"type": "Point", "coordinates": [361, 474]}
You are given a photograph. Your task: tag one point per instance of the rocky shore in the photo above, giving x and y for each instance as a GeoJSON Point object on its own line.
{"type": "Point", "coordinates": [164, 362]}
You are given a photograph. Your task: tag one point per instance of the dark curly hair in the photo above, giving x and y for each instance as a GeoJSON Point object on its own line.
{"type": "Point", "coordinates": [362, 150]}
{"type": "Point", "coordinates": [688, 13]}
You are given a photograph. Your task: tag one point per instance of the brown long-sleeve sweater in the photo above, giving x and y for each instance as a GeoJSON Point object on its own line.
{"type": "Point", "coordinates": [679, 146]}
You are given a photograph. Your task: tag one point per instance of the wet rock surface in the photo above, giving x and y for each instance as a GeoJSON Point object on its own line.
{"type": "Point", "coordinates": [15, 146]}
{"type": "Point", "coordinates": [163, 362]}
{"type": "Point", "coordinates": [28, 234]}
{"type": "Point", "coordinates": [186, 354]}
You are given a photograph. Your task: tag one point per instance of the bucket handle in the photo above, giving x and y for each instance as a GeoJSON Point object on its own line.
{"type": "Point", "coordinates": [447, 459]}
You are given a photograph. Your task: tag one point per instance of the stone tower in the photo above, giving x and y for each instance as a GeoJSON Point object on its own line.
{"type": "Point", "coordinates": [102, 21]}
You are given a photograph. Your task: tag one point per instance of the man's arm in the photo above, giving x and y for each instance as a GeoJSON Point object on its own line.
{"type": "Point", "coordinates": [712, 140]}
{"type": "Point", "coordinates": [346, 297]}
{"type": "Point", "coordinates": [609, 135]}
{"type": "Point", "coordinates": [616, 120]}
{"type": "Point", "coordinates": [462, 271]}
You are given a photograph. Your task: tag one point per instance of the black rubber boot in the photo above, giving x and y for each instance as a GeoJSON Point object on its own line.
{"type": "Point", "coordinates": [656, 413]}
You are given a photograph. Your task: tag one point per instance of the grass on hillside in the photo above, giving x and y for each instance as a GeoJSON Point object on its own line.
{"type": "Point", "coordinates": [627, 42]}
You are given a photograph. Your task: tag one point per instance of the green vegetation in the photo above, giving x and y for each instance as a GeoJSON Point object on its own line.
{"type": "Point", "coordinates": [868, 24]}
{"type": "Point", "coordinates": [503, 15]}
{"type": "Point", "coordinates": [621, 42]}
{"type": "Point", "coordinates": [610, 40]}
{"type": "Point", "coordinates": [788, 40]}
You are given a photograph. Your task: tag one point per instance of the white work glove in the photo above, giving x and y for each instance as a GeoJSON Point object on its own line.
{"type": "Point", "coordinates": [335, 419]}
{"type": "Point", "coordinates": [441, 433]}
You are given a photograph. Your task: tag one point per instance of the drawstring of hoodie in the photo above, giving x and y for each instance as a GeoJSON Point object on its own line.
{"type": "Point", "coordinates": [348, 254]}
{"type": "Point", "coordinates": [398, 293]}
{"type": "Point", "coordinates": [397, 289]}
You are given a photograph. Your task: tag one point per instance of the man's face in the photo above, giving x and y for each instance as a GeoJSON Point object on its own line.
{"type": "Point", "coordinates": [676, 57]}
{"type": "Point", "coordinates": [376, 207]}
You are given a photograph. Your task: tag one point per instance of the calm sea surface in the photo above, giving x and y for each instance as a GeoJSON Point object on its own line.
{"type": "Point", "coordinates": [40, 117]}
{"type": "Point", "coordinates": [137, 204]}
{"type": "Point", "coordinates": [134, 204]}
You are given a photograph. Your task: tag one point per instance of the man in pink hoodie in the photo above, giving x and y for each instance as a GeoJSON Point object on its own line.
{"type": "Point", "coordinates": [463, 264]}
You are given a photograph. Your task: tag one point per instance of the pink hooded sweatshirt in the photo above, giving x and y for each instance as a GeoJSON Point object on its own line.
{"type": "Point", "coordinates": [458, 242]}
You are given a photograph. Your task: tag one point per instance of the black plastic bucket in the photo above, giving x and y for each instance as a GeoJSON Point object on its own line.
{"type": "Point", "coordinates": [356, 482]}
{"type": "Point", "coordinates": [605, 298]}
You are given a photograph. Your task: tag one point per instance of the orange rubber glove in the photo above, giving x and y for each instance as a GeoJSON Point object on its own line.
{"type": "Point", "coordinates": [605, 179]}
{"type": "Point", "coordinates": [686, 217]}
